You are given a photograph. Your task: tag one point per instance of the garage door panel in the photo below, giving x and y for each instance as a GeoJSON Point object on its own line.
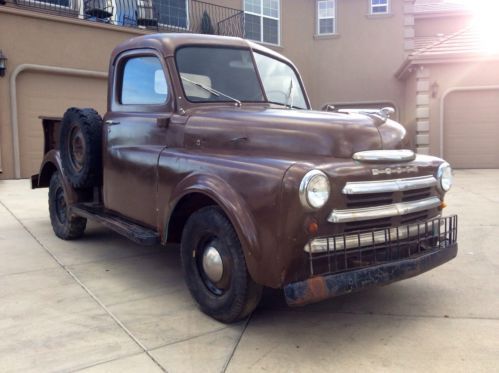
{"type": "Point", "coordinates": [42, 94]}
{"type": "Point", "coordinates": [471, 129]}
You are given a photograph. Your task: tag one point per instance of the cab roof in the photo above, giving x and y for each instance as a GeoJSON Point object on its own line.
{"type": "Point", "coordinates": [168, 43]}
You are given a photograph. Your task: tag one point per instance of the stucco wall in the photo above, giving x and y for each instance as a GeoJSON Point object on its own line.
{"type": "Point", "coordinates": [31, 38]}
{"type": "Point", "coordinates": [356, 65]}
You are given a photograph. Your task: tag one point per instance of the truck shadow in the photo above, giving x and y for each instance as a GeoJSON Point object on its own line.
{"type": "Point", "coordinates": [146, 291]}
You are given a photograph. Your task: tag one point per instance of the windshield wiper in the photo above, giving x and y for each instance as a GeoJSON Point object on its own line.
{"type": "Point", "coordinates": [290, 98]}
{"type": "Point", "coordinates": [212, 90]}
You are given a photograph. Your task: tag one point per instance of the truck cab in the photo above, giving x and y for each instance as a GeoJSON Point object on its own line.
{"type": "Point", "coordinates": [211, 142]}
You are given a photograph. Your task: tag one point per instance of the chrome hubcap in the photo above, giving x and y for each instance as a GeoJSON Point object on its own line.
{"type": "Point", "coordinates": [212, 264]}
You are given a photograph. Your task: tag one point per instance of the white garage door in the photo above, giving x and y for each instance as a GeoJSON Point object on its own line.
{"type": "Point", "coordinates": [49, 95]}
{"type": "Point", "coordinates": [471, 129]}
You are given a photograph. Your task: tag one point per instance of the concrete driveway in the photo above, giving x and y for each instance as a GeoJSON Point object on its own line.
{"type": "Point", "coordinates": [103, 304]}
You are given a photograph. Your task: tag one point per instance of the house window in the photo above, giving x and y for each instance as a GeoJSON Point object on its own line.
{"type": "Point", "coordinates": [261, 20]}
{"type": "Point", "coordinates": [326, 17]}
{"type": "Point", "coordinates": [380, 6]}
{"type": "Point", "coordinates": [56, 3]}
{"type": "Point", "coordinates": [172, 13]}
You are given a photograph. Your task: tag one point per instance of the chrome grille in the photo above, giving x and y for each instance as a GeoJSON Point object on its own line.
{"type": "Point", "coordinates": [368, 200]}
{"type": "Point", "coordinates": [376, 246]}
{"type": "Point", "coordinates": [414, 195]}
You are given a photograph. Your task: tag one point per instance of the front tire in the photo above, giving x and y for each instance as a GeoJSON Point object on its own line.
{"type": "Point", "coordinates": [214, 267]}
{"type": "Point", "coordinates": [65, 226]}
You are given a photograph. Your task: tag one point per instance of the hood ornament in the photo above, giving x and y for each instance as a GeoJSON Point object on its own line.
{"type": "Point", "coordinates": [386, 112]}
{"type": "Point", "coordinates": [382, 156]}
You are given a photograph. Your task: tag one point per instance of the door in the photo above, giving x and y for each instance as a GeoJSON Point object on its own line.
{"type": "Point", "coordinates": [471, 129]}
{"type": "Point", "coordinates": [135, 134]}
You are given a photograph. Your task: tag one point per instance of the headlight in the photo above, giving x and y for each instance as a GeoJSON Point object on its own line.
{"type": "Point", "coordinates": [445, 176]}
{"type": "Point", "coordinates": [314, 189]}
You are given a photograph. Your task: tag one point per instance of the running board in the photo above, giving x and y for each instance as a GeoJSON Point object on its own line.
{"type": "Point", "coordinates": [134, 232]}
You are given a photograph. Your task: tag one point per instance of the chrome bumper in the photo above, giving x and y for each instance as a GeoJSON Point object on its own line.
{"type": "Point", "coordinates": [320, 288]}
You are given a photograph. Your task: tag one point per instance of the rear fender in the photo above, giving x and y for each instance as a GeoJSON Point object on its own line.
{"type": "Point", "coordinates": [52, 163]}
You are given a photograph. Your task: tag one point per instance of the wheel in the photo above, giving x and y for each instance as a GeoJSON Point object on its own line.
{"type": "Point", "coordinates": [80, 145]}
{"type": "Point", "coordinates": [64, 226]}
{"type": "Point", "coordinates": [214, 267]}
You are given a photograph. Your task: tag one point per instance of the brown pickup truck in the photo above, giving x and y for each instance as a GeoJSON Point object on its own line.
{"type": "Point", "coordinates": [210, 142]}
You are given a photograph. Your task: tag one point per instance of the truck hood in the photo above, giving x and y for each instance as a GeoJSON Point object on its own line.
{"type": "Point", "coordinates": [275, 131]}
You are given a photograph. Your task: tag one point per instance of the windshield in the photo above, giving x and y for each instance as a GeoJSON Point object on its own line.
{"type": "Point", "coordinates": [211, 74]}
{"type": "Point", "coordinates": [280, 82]}
{"type": "Point", "coordinates": [229, 71]}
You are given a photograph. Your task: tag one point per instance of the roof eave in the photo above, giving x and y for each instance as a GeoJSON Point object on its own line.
{"type": "Point", "coordinates": [412, 61]}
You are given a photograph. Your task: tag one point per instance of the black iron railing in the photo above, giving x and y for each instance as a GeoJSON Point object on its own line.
{"type": "Point", "coordinates": [367, 248]}
{"type": "Point", "coordinates": [156, 15]}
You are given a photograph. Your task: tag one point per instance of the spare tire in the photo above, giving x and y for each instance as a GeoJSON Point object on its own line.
{"type": "Point", "coordinates": [80, 144]}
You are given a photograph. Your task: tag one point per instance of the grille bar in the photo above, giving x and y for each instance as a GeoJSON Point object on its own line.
{"type": "Point", "coordinates": [366, 248]}
{"type": "Point", "coordinates": [384, 186]}
{"type": "Point", "coordinates": [378, 212]}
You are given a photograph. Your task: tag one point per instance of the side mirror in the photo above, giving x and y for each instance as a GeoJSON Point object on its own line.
{"type": "Point", "coordinates": [328, 107]}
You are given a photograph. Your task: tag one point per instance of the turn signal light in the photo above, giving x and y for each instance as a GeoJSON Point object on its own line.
{"type": "Point", "coordinates": [313, 227]}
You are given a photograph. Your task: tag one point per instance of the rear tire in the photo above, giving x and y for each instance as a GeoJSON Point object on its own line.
{"type": "Point", "coordinates": [80, 144]}
{"type": "Point", "coordinates": [215, 269]}
{"type": "Point", "coordinates": [65, 226]}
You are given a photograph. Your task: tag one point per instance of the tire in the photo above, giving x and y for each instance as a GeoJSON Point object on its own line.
{"type": "Point", "coordinates": [228, 295]}
{"type": "Point", "coordinates": [80, 144]}
{"type": "Point", "coordinates": [64, 226]}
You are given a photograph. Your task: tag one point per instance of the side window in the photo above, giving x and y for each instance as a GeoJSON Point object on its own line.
{"type": "Point", "coordinates": [143, 82]}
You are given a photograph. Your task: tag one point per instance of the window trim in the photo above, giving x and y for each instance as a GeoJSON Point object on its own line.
{"type": "Point", "coordinates": [318, 19]}
{"type": "Point", "coordinates": [119, 64]}
{"type": "Point", "coordinates": [373, 6]}
{"type": "Point", "coordinates": [261, 16]}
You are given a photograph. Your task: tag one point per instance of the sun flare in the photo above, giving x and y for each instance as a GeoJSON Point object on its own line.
{"type": "Point", "coordinates": [485, 22]}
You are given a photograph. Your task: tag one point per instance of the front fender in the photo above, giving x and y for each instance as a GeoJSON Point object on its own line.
{"type": "Point", "coordinates": [233, 206]}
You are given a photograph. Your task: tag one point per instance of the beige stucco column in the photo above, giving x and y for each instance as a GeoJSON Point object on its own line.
{"type": "Point", "coordinates": [409, 30]}
{"type": "Point", "coordinates": [423, 110]}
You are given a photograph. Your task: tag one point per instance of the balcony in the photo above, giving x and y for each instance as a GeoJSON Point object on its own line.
{"type": "Point", "coordinates": [191, 16]}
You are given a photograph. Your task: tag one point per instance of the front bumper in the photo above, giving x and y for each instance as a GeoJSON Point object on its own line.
{"type": "Point", "coordinates": [320, 288]}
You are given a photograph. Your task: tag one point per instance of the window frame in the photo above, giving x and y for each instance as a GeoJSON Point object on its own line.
{"type": "Point", "coordinates": [262, 16]}
{"type": "Point", "coordinates": [117, 85]}
{"type": "Point", "coordinates": [373, 6]}
{"type": "Point", "coordinates": [319, 18]}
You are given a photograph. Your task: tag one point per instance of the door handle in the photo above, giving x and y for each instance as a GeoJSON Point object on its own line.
{"type": "Point", "coordinates": [111, 123]}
